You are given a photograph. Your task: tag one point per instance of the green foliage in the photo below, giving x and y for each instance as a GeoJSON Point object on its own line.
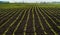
{"type": "Point", "coordinates": [25, 5]}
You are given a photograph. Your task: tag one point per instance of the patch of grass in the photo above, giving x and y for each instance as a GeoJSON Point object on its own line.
{"type": "Point", "coordinates": [26, 5]}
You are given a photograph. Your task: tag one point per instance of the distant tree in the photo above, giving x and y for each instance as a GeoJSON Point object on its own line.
{"type": "Point", "coordinates": [4, 2]}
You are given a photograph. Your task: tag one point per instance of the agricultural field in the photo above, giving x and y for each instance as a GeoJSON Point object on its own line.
{"type": "Point", "coordinates": [29, 20]}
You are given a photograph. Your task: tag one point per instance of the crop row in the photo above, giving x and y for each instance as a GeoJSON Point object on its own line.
{"type": "Point", "coordinates": [30, 21]}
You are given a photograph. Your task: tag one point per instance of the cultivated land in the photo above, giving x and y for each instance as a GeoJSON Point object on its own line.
{"type": "Point", "coordinates": [29, 19]}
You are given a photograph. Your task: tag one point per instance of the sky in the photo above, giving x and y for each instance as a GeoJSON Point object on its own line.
{"type": "Point", "coordinates": [30, 1]}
